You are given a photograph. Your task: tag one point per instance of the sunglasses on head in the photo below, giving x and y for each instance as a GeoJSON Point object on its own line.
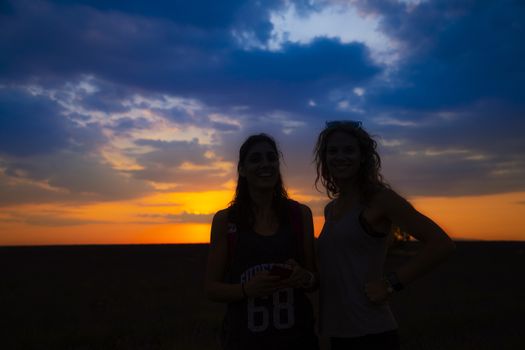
{"type": "Point", "coordinates": [353, 123]}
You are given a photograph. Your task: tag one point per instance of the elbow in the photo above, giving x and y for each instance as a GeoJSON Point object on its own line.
{"type": "Point", "coordinates": [212, 293]}
{"type": "Point", "coordinates": [450, 245]}
{"type": "Point", "coordinates": [441, 247]}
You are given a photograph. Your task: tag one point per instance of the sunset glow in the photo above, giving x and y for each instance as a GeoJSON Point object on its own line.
{"type": "Point", "coordinates": [147, 221]}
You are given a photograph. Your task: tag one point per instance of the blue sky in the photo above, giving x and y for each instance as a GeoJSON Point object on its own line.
{"type": "Point", "coordinates": [115, 100]}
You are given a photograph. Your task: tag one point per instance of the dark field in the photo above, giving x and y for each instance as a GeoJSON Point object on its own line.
{"type": "Point", "coordinates": [151, 297]}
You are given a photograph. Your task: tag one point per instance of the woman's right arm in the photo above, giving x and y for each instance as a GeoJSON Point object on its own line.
{"type": "Point", "coordinates": [216, 289]}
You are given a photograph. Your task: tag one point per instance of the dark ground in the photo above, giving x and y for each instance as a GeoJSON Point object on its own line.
{"type": "Point", "coordinates": [151, 297]}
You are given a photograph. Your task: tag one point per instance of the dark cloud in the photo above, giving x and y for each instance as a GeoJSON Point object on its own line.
{"type": "Point", "coordinates": [455, 53]}
{"type": "Point", "coordinates": [65, 177]}
{"type": "Point", "coordinates": [148, 55]}
{"type": "Point", "coordinates": [200, 13]}
{"type": "Point", "coordinates": [452, 174]}
{"type": "Point", "coordinates": [166, 164]}
{"type": "Point", "coordinates": [453, 96]}
{"type": "Point", "coordinates": [46, 156]}
{"type": "Point", "coordinates": [127, 124]}
{"type": "Point", "coordinates": [173, 153]}
{"type": "Point", "coordinates": [30, 124]}
{"type": "Point", "coordinates": [473, 151]}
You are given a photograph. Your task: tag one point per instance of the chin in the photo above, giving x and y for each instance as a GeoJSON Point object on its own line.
{"type": "Point", "coordinates": [267, 184]}
{"type": "Point", "coordinates": [342, 177]}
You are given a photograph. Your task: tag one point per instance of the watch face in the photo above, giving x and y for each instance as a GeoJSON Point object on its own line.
{"type": "Point", "coordinates": [388, 285]}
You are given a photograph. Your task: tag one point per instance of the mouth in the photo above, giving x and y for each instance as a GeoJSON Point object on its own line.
{"type": "Point", "coordinates": [265, 174]}
{"type": "Point", "coordinates": [341, 166]}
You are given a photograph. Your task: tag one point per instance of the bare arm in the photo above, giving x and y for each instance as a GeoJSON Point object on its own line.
{"type": "Point", "coordinates": [302, 275]}
{"type": "Point", "coordinates": [216, 289]}
{"type": "Point", "coordinates": [437, 245]}
{"type": "Point", "coordinates": [309, 245]}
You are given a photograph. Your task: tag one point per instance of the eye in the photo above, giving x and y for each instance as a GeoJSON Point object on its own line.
{"type": "Point", "coordinates": [255, 158]}
{"type": "Point", "coordinates": [331, 150]}
{"type": "Point", "coordinates": [349, 150]}
{"type": "Point", "coordinates": [271, 157]}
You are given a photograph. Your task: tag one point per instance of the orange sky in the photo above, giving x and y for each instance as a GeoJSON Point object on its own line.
{"type": "Point", "coordinates": [492, 217]}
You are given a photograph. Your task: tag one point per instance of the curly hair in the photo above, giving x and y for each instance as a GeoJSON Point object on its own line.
{"type": "Point", "coordinates": [369, 178]}
{"type": "Point", "coordinates": [241, 207]}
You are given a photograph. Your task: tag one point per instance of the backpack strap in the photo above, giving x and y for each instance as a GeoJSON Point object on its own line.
{"type": "Point", "coordinates": [232, 236]}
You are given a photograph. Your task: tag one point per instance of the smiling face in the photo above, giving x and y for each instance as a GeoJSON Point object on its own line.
{"type": "Point", "coordinates": [343, 156]}
{"type": "Point", "coordinates": [261, 166]}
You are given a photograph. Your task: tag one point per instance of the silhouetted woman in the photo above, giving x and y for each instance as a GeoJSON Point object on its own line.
{"type": "Point", "coordinates": [261, 257]}
{"type": "Point", "coordinates": [353, 242]}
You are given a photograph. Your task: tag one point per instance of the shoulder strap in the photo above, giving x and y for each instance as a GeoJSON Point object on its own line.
{"type": "Point", "coordinates": [232, 240]}
{"type": "Point", "coordinates": [296, 223]}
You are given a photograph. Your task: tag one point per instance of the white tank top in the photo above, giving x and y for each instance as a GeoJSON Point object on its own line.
{"type": "Point", "coordinates": [349, 258]}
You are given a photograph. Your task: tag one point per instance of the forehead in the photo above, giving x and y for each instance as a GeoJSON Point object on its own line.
{"type": "Point", "coordinates": [341, 139]}
{"type": "Point", "coordinates": [261, 147]}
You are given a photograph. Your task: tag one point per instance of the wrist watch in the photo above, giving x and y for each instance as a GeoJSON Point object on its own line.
{"type": "Point", "coordinates": [308, 280]}
{"type": "Point", "coordinates": [393, 282]}
{"type": "Point", "coordinates": [389, 288]}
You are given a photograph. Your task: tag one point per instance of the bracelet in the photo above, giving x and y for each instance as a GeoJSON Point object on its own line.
{"type": "Point", "coordinates": [244, 295]}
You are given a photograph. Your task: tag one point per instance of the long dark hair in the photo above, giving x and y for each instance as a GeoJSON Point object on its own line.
{"type": "Point", "coordinates": [242, 207]}
{"type": "Point", "coordinates": [369, 178]}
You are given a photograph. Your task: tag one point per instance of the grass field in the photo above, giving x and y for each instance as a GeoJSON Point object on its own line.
{"type": "Point", "coordinates": [151, 297]}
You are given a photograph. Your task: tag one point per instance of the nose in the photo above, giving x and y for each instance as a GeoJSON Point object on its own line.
{"type": "Point", "coordinates": [339, 155]}
{"type": "Point", "coordinates": [266, 161]}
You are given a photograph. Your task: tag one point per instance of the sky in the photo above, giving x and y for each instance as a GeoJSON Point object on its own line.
{"type": "Point", "coordinates": [120, 121]}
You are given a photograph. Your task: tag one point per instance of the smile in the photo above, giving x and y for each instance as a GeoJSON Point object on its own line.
{"type": "Point", "coordinates": [265, 174]}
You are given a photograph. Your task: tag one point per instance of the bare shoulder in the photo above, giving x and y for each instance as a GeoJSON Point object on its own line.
{"type": "Point", "coordinates": [221, 217]}
{"type": "Point", "coordinates": [305, 210]}
{"type": "Point", "coordinates": [389, 200]}
{"type": "Point", "coordinates": [327, 208]}
{"type": "Point", "coordinates": [218, 226]}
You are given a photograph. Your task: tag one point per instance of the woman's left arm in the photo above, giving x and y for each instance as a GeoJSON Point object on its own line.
{"type": "Point", "coordinates": [437, 245]}
{"type": "Point", "coordinates": [309, 248]}
{"type": "Point", "coordinates": [306, 276]}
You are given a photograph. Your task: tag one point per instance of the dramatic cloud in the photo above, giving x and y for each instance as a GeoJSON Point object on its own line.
{"type": "Point", "coordinates": [30, 125]}
{"type": "Point", "coordinates": [103, 101]}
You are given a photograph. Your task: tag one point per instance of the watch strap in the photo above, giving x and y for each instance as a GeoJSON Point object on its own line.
{"type": "Point", "coordinates": [394, 282]}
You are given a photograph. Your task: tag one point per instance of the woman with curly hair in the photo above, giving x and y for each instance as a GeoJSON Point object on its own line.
{"type": "Point", "coordinates": [353, 243]}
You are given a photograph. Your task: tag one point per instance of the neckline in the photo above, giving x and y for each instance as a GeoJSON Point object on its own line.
{"type": "Point", "coordinates": [342, 216]}
{"type": "Point", "coordinates": [275, 233]}
{"type": "Point", "coordinates": [331, 217]}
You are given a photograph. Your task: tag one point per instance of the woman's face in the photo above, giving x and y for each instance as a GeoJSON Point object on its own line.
{"type": "Point", "coordinates": [261, 166]}
{"type": "Point", "coordinates": [343, 156]}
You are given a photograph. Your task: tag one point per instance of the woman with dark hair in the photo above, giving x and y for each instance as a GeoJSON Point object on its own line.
{"type": "Point", "coordinates": [261, 258]}
{"type": "Point", "coordinates": [353, 243]}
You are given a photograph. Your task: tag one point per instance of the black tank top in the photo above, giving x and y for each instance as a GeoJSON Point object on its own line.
{"type": "Point", "coordinates": [282, 320]}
